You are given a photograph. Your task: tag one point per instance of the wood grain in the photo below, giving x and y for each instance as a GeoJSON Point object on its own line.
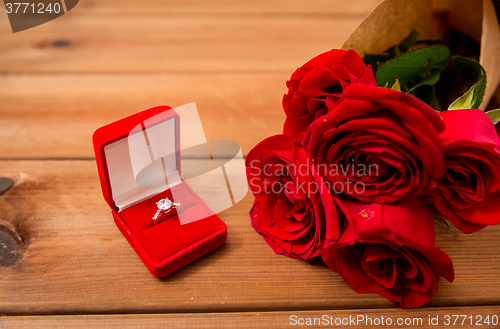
{"type": "Point", "coordinates": [152, 43]}
{"type": "Point", "coordinates": [246, 7]}
{"type": "Point", "coordinates": [108, 59]}
{"type": "Point", "coordinates": [76, 260]}
{"type": "Point", "coordinates": [258, 45]}
{"type": "Point", "coordinates": [257, 320]}
{"type": "Point", "coordinates": [54, 116]}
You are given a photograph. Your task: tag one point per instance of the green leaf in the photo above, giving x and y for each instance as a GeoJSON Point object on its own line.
{"type": "Point", "coordinates": [473, 98]}
{"type": "Point", "coordinates": [465, 101]}
{"type": "Point", "coordinates": [494, 115]}
{"type": "Point", "coordinates": [396, 85]}
{"type": "Point", "coordinates": [396, 50]}
{"type": "Point", "coordinates": [427, 93]}
{"type": "Point", "coordinates": [428, 80]}
{"type": "Point", "coordinates": [414, 68]}
{"type": "Point", "coordinates": [373, 60]}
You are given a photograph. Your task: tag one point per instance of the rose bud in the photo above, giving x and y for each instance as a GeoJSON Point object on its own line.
{"type": "Point", "coordinates": [292, 204]}
{"type": "Point", "coordinates": [389, 249]}
{"type": "Point", "coordinates": [378, 145]}
{"type": "Point", "coordinates": [314, 88]}
{"type": "Point", "coordinates": [470, 192]}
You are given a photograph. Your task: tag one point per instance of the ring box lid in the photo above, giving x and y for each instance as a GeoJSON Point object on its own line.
{"type": "Point", "coordinates": [138, 156]}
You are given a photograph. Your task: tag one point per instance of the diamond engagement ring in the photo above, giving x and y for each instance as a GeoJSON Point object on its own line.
{"type": "Point", "coordinates": [164, 206]}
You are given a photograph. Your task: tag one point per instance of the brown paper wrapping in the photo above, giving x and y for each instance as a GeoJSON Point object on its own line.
{"type": "Point", "coordinates": [393, 20]}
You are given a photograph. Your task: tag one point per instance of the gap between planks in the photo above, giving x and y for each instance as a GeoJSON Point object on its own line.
{"type": "Point", "coordinates": [243, 319]}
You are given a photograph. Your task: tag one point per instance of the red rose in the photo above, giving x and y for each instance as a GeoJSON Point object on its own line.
{"type": "Point", "coordinates": [389, 249]}
{"type": "Point", "coordinates": [470, 192]}
{"type": "Point", "coordinates": [292, 204]}
{"type": "Point", "coordinates": [378, 145]}
{"type": "Point", "coordinates": [314, 88]}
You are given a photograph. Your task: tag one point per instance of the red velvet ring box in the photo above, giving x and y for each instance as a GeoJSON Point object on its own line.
{"type": "Point", "coordinates": [142, 141]}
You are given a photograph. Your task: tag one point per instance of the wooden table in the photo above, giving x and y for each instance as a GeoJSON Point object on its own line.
{"type": "Point", "coordinates": [108, 59]}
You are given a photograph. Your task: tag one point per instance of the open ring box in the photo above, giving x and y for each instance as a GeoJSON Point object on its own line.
{"type": "Point", "coordinates": [138, 160]}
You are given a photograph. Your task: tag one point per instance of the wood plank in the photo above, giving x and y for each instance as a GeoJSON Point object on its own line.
{"type": "Point", "coordinates": [321, 7]}
{"type": "Point", "coordinates": [76, 261]}
{"type": "Point", "coordinates": [54, 116]}
{"type": "Point", "coordinates": [154, 43]}
{"type": "Point", "coordinates": [261, 319]}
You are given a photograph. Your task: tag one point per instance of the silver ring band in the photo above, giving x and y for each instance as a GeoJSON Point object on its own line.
{"type": "Point", "coordinates": [164, 206]}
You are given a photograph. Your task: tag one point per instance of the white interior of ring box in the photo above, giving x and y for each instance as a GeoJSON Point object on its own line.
{"type": "Point", "coordinates": [144, 163]}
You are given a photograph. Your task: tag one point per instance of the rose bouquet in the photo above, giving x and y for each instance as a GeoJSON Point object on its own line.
{"type": "Point", "coordinates": [370, 156]}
